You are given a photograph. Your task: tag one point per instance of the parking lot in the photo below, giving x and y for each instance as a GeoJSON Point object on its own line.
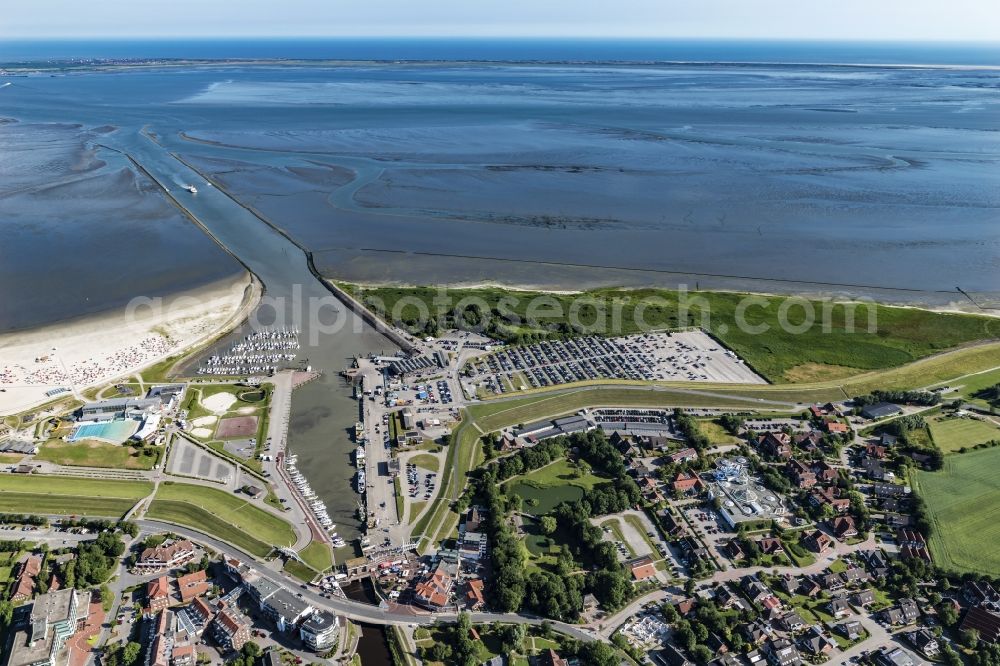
{"type": "Point", "coordinates": [681, 356]}
{"type": "Point", "coordinates": [420, 483]}
{"type": "Point", "coordinates": [187, 459]}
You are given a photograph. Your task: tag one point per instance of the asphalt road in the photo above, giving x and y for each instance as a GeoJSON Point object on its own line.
{"type": "Point", "coordinates": [355, 610]}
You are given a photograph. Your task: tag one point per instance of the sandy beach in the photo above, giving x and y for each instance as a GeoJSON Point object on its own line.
{"type": "Point", "coordinates": [78, 354]}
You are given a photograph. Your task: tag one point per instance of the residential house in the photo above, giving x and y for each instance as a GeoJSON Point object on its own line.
{"type": "Point", "coordinates": [838, 607]}
{"type": "Point", "coordinates": [863, 598]}
{"type": "Point", "coordinates": [924, 641]}
{"type": "Point", "coordinates": [905, 612]}
{"type": "Point", "coordinates": [854, 575]}
{"type": "Point", "coordinates": [782, 652]}
{"type": "Point", "coordinates": [792, 621]}
{"type": "Point", "coordinates": [671, 656]}
{"type": "Point", "coordinates": [983, 620]}
{"type": "Point", "coordinates": [836, 427]}
{"type": "Point", "coordinates": [800, 474]}
{"type": "Point", "coordinates": [843, 527]}
{"type": "Point", "coordinates": [682, 456]}
{"type": "Point", "coordinates": [775, 445]}
{"type": "Point", "coordinates": [824, 471]}
{"type": "Point", "coordinates": [815, 643]}
{"type": "Point", "coordinates": [979, 592]}
{"type": "Point", "coordinates": [831, 496]}
{"type": "Point", "coordinates": [875, 451]}
{"type": "Point", "coordinates": [875, 471]}
{"type": "Point", "coordinates": [790, 583]}
{"type": "Point", "coordinates": [24, 587]}
{"type": "Point", "coordinates": [810, 588]}
{"type": "Point", "coordinates": [734, 550]}
{"type": "Point", "coordinates": [770, 546]}
{"type": "Point", "coordinates": [726, 598]}
{"type": "Point", "coordinates": [818, 542]}
{"type": "Point", "coordinates": [756, 632]}
{"type": "Point", "coordinates": [912, 545]}
{"type": "Point", "coordinates": [474, 599]}
{"type": "Point", "coordinates": [830, 582]}
{"type": "Point", "coordinates": [810, 441]}
{"type": "Point", "coordinates": [890, 656]}
{"type": "Point", "coordinates": [887, 440]}
{"type": "Point", "coordinates": [193, 585]}
{"type": "Point", "coordinates": [158, 594]}
{"type": "Point", "coordinates": [852, 630]}
{"type": "Point", "coordinates": [671, 526]}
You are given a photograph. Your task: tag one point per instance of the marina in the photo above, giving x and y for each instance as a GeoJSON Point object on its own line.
{"type": "Point", "coordinates": [260, 352]}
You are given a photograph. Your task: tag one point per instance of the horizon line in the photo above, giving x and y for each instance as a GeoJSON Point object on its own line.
{"type": "Point", "coordinates": [643, 38]}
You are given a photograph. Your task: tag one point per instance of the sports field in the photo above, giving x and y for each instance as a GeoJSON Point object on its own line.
{"type": "Point", "coordinates": [963, 500]}
{"type": "Point", "coordinates": [951, 434]}
{"type": "Point", "coordinates": [221, 514]}
{"type": "Point", "coordinates": [69, 495]}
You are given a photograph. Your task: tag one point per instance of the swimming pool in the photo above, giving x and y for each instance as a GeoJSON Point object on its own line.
{"type": "Point", "coordinates": [110, 431]}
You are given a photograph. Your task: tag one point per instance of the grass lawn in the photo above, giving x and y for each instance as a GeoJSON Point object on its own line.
{"type": "Point", "coordinates": [317, 555]}
{"type": "Point", "coordinates": [460, 456]}
{"type": "Point", "coordinates": [197, 518]}
{"type": "Point", "coordinates": [74, 486]}
{"type": "Point", "coordinates": [540, 405]}
{"type": "Point", "coordinates": [616, 529]}
{"type": "Point", "coordinates": [92, 453]}
{"type": "Point", "coordinates": [244, 517]}
{"type": "Point", "coordinates": [716, 434]}
{"type": "Point", "coordinates": [838, 566]}
{"type": "Point", "coordinates": [951, 434]}
{"type": "Point", "coordinates": [900, 335]}
{"type": "Point", "coordinates": [415, 509]}
{"type": "Point", "coordinates": [300, 571]}
{"type": "Point", "coordinates": [561, 472]}
{"type": "Point", "coordinates": [962, 501]}
{"type": "Point", "coordinates": [426, 461]}
{"type": "Point", "coordinates": [10, 458]}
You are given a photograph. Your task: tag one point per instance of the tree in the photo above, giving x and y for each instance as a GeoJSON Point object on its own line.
{"type": "Point", "coordinates": [969, 638]}
{"type": "Point", "coordinates": [130, 654]}
{"type": "Point", "coordinates": [947, 615]}
{"type": "Point", "coordinates": [548, 524]}
{"type": "Point", "coordinates": [701, 654]}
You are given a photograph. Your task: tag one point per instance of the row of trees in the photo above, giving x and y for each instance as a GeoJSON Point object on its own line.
{"type": "Point", "coordinates": [689, 427]}
{"type": "Point", "coordinates": [925, 398]}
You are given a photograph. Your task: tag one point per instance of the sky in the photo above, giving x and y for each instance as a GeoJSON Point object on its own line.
{"type": "Point", "coordinates": [913, 20]}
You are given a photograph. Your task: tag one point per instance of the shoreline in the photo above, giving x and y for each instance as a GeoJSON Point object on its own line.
{"type": "Point", "coordinates": [525, 288]}
{"type": "Point", "coordinates": [90, 351]}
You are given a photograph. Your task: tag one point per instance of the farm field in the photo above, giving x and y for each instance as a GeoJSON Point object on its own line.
{"type": "Point", "coordinates": [91, 453]}
{"type": "Point", "coordinates": [241, 516]}
{"type": "Point", "coordinates": [898, 336]}
{"type": "Point", "coordinates": [951, 434]}
{"type": "Point", "coordinates": [69, 495]}
{"type": "Point", "coordinates": [962, 501]}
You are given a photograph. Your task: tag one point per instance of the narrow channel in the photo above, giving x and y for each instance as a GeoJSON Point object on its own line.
{"type": "Point", "coordinates": [323, 412]}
